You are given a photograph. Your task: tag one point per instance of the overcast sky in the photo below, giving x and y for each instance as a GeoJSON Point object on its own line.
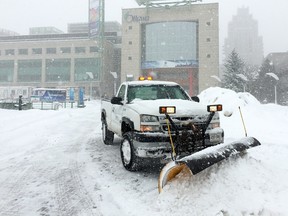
{"type": "Point", "coordinates": [20, 15]}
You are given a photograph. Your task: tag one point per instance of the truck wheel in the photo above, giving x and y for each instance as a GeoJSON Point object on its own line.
{"type": "Point", "coordinates": [128, 157]}
{"type": "Point", "coordinates": [107, 135]}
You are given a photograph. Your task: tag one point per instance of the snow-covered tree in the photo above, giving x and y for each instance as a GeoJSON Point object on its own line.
{"type": "Point", "coordinates": [234, 67]}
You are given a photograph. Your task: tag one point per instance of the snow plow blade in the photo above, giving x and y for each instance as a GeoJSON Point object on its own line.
{"type": "Point", "coordinates": [201, 160]}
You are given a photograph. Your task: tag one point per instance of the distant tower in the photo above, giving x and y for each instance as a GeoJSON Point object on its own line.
{"type": "Point", "coordinates": [243, 37]}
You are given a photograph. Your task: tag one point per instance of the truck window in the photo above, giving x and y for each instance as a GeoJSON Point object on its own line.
{"type": "Point", "coordinates": [121, 92]}
{"type": "Point", "coordinates": [154, 92]}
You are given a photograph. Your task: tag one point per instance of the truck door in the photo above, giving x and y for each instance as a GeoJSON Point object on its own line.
{"type": "Point", "coordinates": [117, 110]}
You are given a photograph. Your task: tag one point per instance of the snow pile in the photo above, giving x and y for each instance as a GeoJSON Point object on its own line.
{"type": "Point", "coordinates": [215, 95]}
{"type": "Point", "coordinates": [228, 98]}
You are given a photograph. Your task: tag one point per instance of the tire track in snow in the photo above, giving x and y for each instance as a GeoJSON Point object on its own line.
{"type": "Point", "coordinates": [71, 196]}
{"type": "Point", "coordinates": [25, 183]}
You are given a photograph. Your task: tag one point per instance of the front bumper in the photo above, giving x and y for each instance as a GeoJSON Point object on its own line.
{"type": "Point", "coordinates": [157, 145]}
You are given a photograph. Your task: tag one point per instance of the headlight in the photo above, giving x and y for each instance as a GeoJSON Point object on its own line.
{"type": "Point", "coordinates": [148, 118]}
{"type": "Point", "coordinates": [215, 125]}
{"type": "Point", "coordinates": [148, 128]}
{"type": "Point", "coordinates": [149, 123]}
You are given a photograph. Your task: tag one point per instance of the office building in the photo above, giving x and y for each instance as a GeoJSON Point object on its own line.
{"type": "Point", "coordinates": [178, 43]}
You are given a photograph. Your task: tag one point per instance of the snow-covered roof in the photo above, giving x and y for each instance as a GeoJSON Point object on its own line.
{"type": "Point", "coordinates": [151, 82]}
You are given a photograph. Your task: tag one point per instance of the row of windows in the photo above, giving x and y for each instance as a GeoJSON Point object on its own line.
{"type": "Point", "coordinates": [56, 70]}
{"type": "Point", "coordinates": [52, 50]}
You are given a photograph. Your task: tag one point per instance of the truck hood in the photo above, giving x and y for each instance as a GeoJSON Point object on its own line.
{"type": "Point", "coordinates": [183, 107]}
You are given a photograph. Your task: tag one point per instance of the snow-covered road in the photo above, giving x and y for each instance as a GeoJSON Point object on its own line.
{"type": "Point", "coordinates": [54, 163]}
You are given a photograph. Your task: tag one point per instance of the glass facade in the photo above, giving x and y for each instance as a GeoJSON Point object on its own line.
{"type": "Point", "coordinates": [6, 71]}
{"type": "Point", "coordinates": [83, 65]}
{"type": "Point", "coordinates": [80, 50]}
{"type": "Point", "coordinates": [23, 51]}
{"type": "Point", "coordinates": [170, 44]}
{"type": "Point", "coordinates": [58, 70]}
{"type": "Point", "coordinates": [65, 50]}
{"type": "Point", "coordinates": [51, 50]}
{"type": "Point", "coordinates": [29, 70]}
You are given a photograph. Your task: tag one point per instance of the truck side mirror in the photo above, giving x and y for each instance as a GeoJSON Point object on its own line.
{"type": "Point", "coordinates": [116, 100]}
{"type": "Point", "coordinates": [195, 98]}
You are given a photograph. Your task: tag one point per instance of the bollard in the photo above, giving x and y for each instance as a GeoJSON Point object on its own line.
{"type": "Point", "coordinates": [20, 102]}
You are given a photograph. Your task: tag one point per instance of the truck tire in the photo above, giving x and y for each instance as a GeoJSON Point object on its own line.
{"type": "Point", "coordinates": [107, 135]}
{"type": "Point", "coordinates": [129, 160]}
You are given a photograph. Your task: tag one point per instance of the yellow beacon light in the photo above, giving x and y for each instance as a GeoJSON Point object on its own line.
{"type": "Point", "coordinates": [142, 78]}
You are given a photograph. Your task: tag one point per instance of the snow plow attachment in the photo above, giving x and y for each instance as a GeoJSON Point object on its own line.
{"type": "Point", "coordinates": [201, 160]}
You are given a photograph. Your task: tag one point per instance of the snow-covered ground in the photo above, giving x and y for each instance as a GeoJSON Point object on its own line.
{"type": "Point", "coordinates": [54, 163]}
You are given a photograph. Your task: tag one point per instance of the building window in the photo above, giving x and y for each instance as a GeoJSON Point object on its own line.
{"type": "Point", "coordinates": [208, 56]}
{"type": "Point", "coordinates": [129, 58]}
{"type": "Point", "coordinates": [6, 71]}
{"type": "Point", "coordinates": [94, 49]}
{"type": "Point", "coordinates": [208, 23]}
{"type": "Point", "coordinates": [65, 49]}
{"type": "Point", "coordinates": [23, 51]}
{"type": "Point", "coordinates": [51, 50]}
{"type": "Point", "coordinates": [80, 50]}
{"type": "Point", "coordinates": [58, 70]}
{"type": "Point", "coordinates": [130, 42]}
{"type": "Point", "coordinates": [37, 51]}
{"type": "Point", "coordinates": [208, 39]}
{"type": "Point", "coordinates": [83, 65]}
{"type": "Point", "coordinates": [29, 70]}
{"type": "Point", "coordinates": [130, 27]}
{"type": "Point", "coordinates": [9, 52]}
{"type": "Point", "coordinates": [168, 41]}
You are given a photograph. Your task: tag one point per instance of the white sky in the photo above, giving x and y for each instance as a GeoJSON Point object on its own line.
{"type": "Point", "coordinates": [20, 15]}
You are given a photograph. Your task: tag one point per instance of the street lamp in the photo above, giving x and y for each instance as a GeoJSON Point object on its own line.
{"type": "Point", "coordinates": [216, 77]}
{"type": "Point", "coordinates": [90, 74]}
{"type": "Point", "coordinates": [274, 76]}
{"type": "Point", "coordinates": [114, 74]}
{"type": "Point", "coordinates": [244, 78]}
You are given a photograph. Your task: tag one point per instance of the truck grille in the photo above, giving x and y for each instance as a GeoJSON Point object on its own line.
{"type": "Point", "coordinates": [194, 123]}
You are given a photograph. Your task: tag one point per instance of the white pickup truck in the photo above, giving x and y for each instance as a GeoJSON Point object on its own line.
{"type": "Point", "coordinates": [147, 134]}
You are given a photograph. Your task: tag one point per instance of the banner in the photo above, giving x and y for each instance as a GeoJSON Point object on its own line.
{"type": "Point", "coordinates": [94, 18]}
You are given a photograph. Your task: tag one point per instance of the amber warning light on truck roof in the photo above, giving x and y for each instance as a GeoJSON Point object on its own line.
{"type": "Point", "coordinates": [214, 108]}
{"type": "Point", "coordinates": [141, 78]}
{"type": "Point", "coordinates": [167, 109]}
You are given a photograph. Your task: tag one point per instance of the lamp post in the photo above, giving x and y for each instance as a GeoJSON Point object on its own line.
{"type": "Point", "coordinates": [244, 78]}
{"type": "Point", "coordinates": [216, 78]}
{"type": "Point", "coordinates": [274, 76]}
{"type": "Point", "coordinates": [90, 74]}
{"type": "Point", "coordinates": [114, 74]}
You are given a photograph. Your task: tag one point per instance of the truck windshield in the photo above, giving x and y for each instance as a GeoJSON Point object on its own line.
{"type": "Point", "coordinates": [153, 92]}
